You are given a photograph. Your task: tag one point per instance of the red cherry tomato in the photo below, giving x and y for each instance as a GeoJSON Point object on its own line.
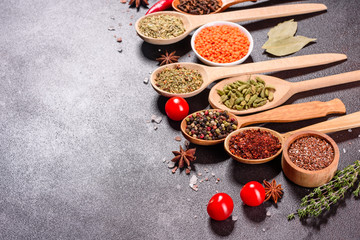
{"type": "Point", "coordinates": [220, 206]}
{"type": "Point", "coordinates": [176, 108]}
{"type": "Point", "coordinates": [253, 194]}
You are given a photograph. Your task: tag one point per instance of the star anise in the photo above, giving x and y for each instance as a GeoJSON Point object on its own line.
{"type": "Point", "coordinates": [272, 190]}
{"type": "Point", "coordinates": [138, 3]}
{"type": "Point", "coordinates": [168, 58]}
{"type": "Point", "coordinates": [183, 157]}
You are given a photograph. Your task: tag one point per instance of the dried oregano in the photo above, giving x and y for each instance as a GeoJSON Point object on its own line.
{"type": "Point", "coordinates": [178, 80]}
{"type": "Point", "coordinates": [282, 41]}
{"type": "Point", "coordinates": [161, 26]}
{"type": "Point", "coordinates": [321, 198]}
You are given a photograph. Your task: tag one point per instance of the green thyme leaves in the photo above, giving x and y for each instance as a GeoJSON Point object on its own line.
{"type": "Point", "coordinates": [241, 95]}
{"type": "Point", "coordinates": [179, 80]}
{"type": "Point", "coordinates": [161, 26]}
{"type": "Point", "coordinates": [282, 41]}
{"type": "Point", "coordinates": [321, 198]}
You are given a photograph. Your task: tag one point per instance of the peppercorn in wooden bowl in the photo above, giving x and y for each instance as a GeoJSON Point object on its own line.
{"type": "Point", "coordinates": [310, 158]}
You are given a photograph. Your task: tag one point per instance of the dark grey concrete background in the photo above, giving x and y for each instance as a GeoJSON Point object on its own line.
{"type": "Point", "coordinates": [78, 159]}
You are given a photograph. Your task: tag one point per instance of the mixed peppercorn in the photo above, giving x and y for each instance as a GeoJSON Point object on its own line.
{"type": "Point", "coordinates": [210, 124]}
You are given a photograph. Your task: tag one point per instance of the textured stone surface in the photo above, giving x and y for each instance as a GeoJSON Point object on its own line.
{"type": "Point", "coordinates": [79, 156]}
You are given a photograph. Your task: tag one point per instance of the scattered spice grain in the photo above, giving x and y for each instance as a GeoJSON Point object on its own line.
{"type": "Point", "coordinates": [311, 153]}
{"type": "Point", "coordinates": [254, 144]}
{"type": "Point", "coordinates": [222, 44]}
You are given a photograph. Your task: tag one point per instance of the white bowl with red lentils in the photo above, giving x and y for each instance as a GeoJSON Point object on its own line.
{"type": "Point", "coordinates": [222, 43]}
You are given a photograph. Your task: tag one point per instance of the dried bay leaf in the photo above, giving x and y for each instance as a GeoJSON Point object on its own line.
{"type": "Point", "coordinates": [281, 31]}
{"type": "Point", "coordinates": [289, 45]}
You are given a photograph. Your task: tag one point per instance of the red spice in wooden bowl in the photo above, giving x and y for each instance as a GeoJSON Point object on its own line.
{"type": "Point", "coordinates": [254, 144]}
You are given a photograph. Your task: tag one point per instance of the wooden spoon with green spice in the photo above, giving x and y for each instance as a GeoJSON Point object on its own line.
{"type": "Point", "coordinates": [192, 22]}
{"type": "Point", "coordinates": [288, 113]}
{"type": "Point", "coordinates": [211, 74]}
{"type": "Point", "coordinates": [283, 89]}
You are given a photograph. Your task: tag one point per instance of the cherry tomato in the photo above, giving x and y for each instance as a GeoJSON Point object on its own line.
{"type": "Point", "coordinates": [220, 206]}
{"type": "Point", "coordinates": [253, 194]}
{"type": "Point", "coordinates": [176, 108]}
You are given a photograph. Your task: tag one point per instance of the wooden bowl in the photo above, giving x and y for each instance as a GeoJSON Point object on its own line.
{"type": "Point", "coordinates": [307, 178]}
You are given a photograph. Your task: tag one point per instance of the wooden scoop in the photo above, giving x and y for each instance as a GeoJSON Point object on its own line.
{"type": "Point", "coordinates": [224, 4]}
{"type": "Point", "coordinates": [333, 125]}
{"type": "Point", "coordinates": [192, 22]}
{"type": "Point", "coordinates": [210, 74]}
{"type": "Point", "coordinates": [288, 113]}
{"type": "Point", "coordinates": [284, 89]}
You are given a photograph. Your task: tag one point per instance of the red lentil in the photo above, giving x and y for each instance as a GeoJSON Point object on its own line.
{"type": "Point", "coordinates": [254, 144]}
{"type": "Point", "coordinates": [222, 44]}
{"type": "Point", "coordinates": [311, 153]}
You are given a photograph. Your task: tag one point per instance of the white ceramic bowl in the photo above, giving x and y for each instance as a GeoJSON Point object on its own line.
{"type": "Point", "coordinates": [218, 23]}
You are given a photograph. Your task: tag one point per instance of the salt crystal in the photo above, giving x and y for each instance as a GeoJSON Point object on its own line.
{"type": "Point", "coordinates": [120, 50]}
{"type": "Point", "coordinates": [146, 80]}
{"type": "Point", "coordinates": [178, 186]}
{"type": "Point", "coordinates": [155, 128]}
{"type": "Point", "coordinates": [112, 17]}
{"type": "Point", "coordinates": [159, 50]}
{"type": "Point", "coordinates": [164, 160]}
{"type": "Point", "coordinates": [268, 214]}
{"type": "Point", "coordinates": [344, 150]}
{"type": "Point", "coordinates": [178, 138]}
{"type": "Point", "coordinates": [235, 218]}
{"type": "Point", "coordinates": [199, 174]}
{"type": "Point", "coordinates": [158, 119]}
{"type": "Point", "coordinates": [171, 164]}
{"type": "Point", "coordinates": [188, 199]}
{"type": "Point", "coordinates": [195, 216]}
{"type": "Point", "coordinates": [350, 130]}
{"type": "Point", "coordinates": [263, 230]}
{"type": "Point", "coordinates": [213, 174]}
{"type": "Point", "coordinates": [111, 28]}
{"type": "Point", "coordinates": [193, 181]}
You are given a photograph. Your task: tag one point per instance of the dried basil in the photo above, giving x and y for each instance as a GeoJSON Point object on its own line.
{"type": "Point", "coordinates": [282, 41]}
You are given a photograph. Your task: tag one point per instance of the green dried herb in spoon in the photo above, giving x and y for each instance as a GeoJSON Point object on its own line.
{"type": "Point", "coordinates": [321, 198]}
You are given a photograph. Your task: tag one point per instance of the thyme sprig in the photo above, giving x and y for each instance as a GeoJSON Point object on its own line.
{"type": "Point", "coordinates": [321, 198]}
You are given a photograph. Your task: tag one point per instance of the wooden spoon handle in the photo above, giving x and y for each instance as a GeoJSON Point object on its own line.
{"type": "Point", "coordinates": [258, 13]}
{"type": "Point", "coordinates": [274, 65]}
{"type": "Point", "coordinates": [326, 81]}
{"type": "Point", "coordinates": [295, 112]}
{"type": "Point", "coordinates": [333, 125]}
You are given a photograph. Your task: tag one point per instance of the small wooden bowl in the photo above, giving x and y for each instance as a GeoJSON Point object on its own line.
{"type": "Point", "coordinates": [307, 178]}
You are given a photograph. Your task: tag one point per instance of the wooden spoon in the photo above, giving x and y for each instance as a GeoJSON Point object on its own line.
{"type": "Point", "coordinates": [224, 4]}
{"type": "Point", "coordinates": [210, 74]}
{"type": "Point", "coordinates": [284, 89]}
{"type": "Point", "coordinates": [288, 113]}
{"type": "Point", "coordinates": [192, 22]}
{"type": "Point", "coordinates": [333, 125]}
